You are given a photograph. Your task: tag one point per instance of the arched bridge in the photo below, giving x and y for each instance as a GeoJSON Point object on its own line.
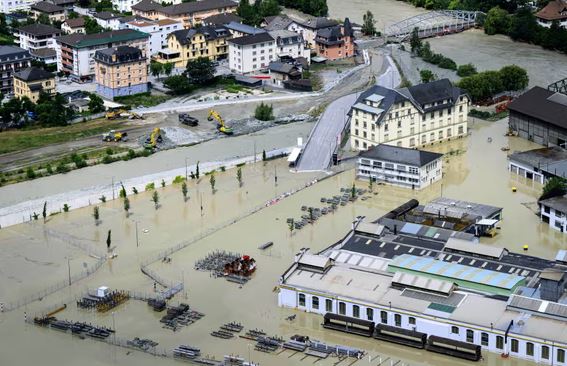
{"type": "Point", "coordinates": [434, 23]}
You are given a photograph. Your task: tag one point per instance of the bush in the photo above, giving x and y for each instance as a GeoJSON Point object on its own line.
{"type": "Point", "coordinates": [62, 168]}
{"type": "Point", "coordinates": [479, 114]}
{"type": "Point", "coordinates": [178, 179]}
{"type": "Point", "coordinates": [264, 112]}
{"type": "Point", "coordinates": [150, 186]}
{"type": "Point", "coordinates": [554, 187]}
{"type": "Point", "coordinates": [447, 63]}
{"type": "Point", "coordinates": [30, 173]}
{"type": "Point", "coordinates": [466, 70]}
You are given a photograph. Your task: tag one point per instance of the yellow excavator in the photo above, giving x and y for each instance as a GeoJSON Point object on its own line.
{"type": "Point", "coordinates": [122, 113]}
{"type": "Point", "coordinates": [220, 122]}
{"type": "Point", "coordinates": [153, 139]}
{"type": "Point", "coordinates": [115, 136]}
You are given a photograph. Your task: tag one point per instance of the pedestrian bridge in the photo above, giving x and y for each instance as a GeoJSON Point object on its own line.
{"type": "Point", "coordinates": [432, 24]}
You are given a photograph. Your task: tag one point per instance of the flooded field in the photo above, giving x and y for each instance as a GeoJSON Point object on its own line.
{"type": "Point", "coordinates": [475, 170]}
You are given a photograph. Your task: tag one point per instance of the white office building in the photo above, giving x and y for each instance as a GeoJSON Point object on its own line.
{"type": "Point", "coordinates": [554, 212]}
{"type": "Point", "coordinates": [251, 53]}
{"type": "Point", "coordinates": [158, 31]}
{"type": "Point", "coordinates": [400, 166]}
{"type": "Point", "coordinates": [290, 45]}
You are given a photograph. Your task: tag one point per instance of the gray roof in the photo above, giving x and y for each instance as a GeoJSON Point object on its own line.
{"type": "Point", "coordinates": [146, 5]}
{"type": "Point", "coordinates": [542, 104]}
{"type": "Point", "coordinates": [282, 68]}
{"type": "Point", "coordinates": [277, 22]}
{"type": "Point", "coordinates": [434, 91]}
{"type": "Point", "coordinates": [224, 18]}
{"type": "Point", "coordinates": [11, 52]}
{"type": "Point", "coordinates": [558, 203]}
{"type": "Point", "coordinates": [400, 155]}
{"type": "Point", "coordinates": [318, 23]}
{"type": "Point", "coordinates": [244, 28]}
{"type": "Point", "coordinates": [119, 55]}
{"type": "Point", "coordinates": [107, 15]}
{"type": "Point", "coordinates": [330, 36]}
{"type": "Point", "coordinates": [252, 39]}
{"type": "Point", "coordinates": [75, 22]}
{"type": "Point", "coordinates": [286, 37]}
{"type": "Point", "coordinates": [198, 6]}
{"type": "Point", "coordinates": [44, 53]}
{"type": "Point", "coordinates": [459, 208]}
{"type": "Point", "coordinates": [33, 74]}
{"type": "Point", "coordinates": [47, 7]}
{"type": "Point", "coordinates": [210, 32]}
{"type": "Point", "coordinates": [39, 29]}
{"type": "Point", "coordinates": [552, 160]}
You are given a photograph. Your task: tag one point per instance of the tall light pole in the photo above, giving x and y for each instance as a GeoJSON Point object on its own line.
{"type": "Point", "coordinates": [69, 269]}
{"type": "Point", "coordinates": [113, 187]}
{"type": "Point", "coordinates": [186, 168]}
{"type": "Point", "coordinates": [137, 242]}
{"type": "Point", "coordinates": [113, 327]}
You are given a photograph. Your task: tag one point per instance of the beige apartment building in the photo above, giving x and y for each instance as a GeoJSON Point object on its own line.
{"type": "Point", "coordinates": [409, 117]}
{"type": "Point", "coordinates": [31, 82]}
{"type": "Point", "coordinates": [120, 71]}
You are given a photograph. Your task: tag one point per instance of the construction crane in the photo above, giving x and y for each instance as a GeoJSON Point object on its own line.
{"type": "Point", "coordinates": [220, 122]}
{"type": "Point", "coordinates": [115, 136]}
{"type": "Point", "coordinates": [153, 139]}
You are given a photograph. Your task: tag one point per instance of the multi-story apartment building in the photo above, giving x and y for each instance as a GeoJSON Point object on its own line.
{"type": "Point", "coordinates": [39, 39]}
{"type": "Point", "coordinates": [147, 9]}
{"type": "Point", "coordinates": [32, 81]}
{"type": "Point", "coordinates": [11, 6]}
{"type": "Point", "coordinates": [125, 6]}
{"type": "Point", "coordinates": [75, 25]}
{"type": "Point", "coordinates": [308, 29]}
{"type": "Point", "coordinates": [251, 53]}
{"type": "Point", "coordinates": [75, 52]}
{"type": "Point", "coordinates": [12, 59]}
{"type": "Point", "coordinates": [409, 117]}
{"type": "Point", "coordinates": [336, 42]}
{"type": "Point", "coordinates": [554, 212]}
{"type": "Point", "coordinates": [120, 71]}
{"type": "Point", "coordinates": [108, 19]}
{"type": "Point", "coordinates": [290, 45]}
{"type": "Point", "coordinates": [193, 13]}
{"type": "Point", "coordinates": [55, 13]}
{"type": "Point", "coordinates": [189, 44]}
{"type": "Point", "coordinates": [401, 166]}
{"type": "Point", "coordinates": [158, 30]}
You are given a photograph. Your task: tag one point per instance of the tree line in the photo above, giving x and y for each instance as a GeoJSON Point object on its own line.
{"type": "Point", "coordinates": [254, 14]}
{"type": "Point", "coordinates": [317, 8]}
{"type": "Point", "coordinates": [50, 110]}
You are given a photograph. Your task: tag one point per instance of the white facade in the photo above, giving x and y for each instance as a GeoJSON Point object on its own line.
{"type": "Point", "coordinates": [250, 58]}
{"type": "Point", "coordinates": [308, 34]}
{"type": "Point", "coordinates": [68, 30]}
{"type": "Point", "coordinates": [112, 23]}
{"type": "Point", "coordinates": [124, 5]}
{"type": "Point", "coordinates": [404, 123]}
{"type": "Point", "coordinates": [525, 171]}
{"type": "Point", "coordinates": [158, 31]}
{"type": "Point", "coordinates": [547, 23]}
{"type": "Point", "coordinates": [554, 217]}
{"type": "Point", "coordinates": [403, 175]}
{"type": "Point", "coordinates": [290, 44]}
{"type": "Point", "coordinates": [10, 6]}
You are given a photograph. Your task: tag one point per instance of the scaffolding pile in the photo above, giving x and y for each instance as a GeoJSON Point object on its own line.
{"type": "Point", "coordinates": [77, 328]}
{"type": "Point", "coordinates": [233, 267]}
{"type": "Point", "coordinates": [103, 304]}
{"type": "Point", "coordinates": [180, 316]}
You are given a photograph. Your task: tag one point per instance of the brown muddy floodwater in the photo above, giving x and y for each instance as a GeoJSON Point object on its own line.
{"type": "Point", "coordinates": [476, 170]}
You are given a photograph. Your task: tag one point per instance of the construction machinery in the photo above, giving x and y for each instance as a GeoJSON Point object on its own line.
{"type": "Point", "coordinates": [154, 139]}
{"type": "Point", "coordinates": [214, 115]}
{"type": "Point", "coordinates": [122, 113]}
{"type": "Point", "coordinates": [186, 119]}
{"type": "Point", "coordinates": [115, 136]}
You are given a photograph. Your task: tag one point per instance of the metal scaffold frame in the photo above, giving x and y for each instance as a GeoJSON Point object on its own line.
{"type": "Point", "coordinates": [433, 23]}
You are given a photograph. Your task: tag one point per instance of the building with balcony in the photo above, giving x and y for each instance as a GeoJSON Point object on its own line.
{"type": "Point", "coordinates": [251, 53]}
{"type": "Point", "coordinates": [335, 43]}
{"type": "Point", "coordinates": [400, 166]}
{"type": "Point", "coordinates": [75, 52]}
{"type": "Point", "coordinates": [554, 212]}
{"type": "Point", "coordinates": [554, 11]}
{"type": "Point", "coordinates": [308, 29]}
{"type": "Point", "coordinates": [12, 60]}
{"type": "Point", "coordinates": [189, 44]}
{"type": "Point", "coordinates": [238, 29]}
{"type": "Point", "coordinates": [32, 81]}
{"type": "Point", "coordinates": [55, 13]}
{"type": "Point", "coordinates": [159, 30]}
{"type": "Point", "coordinates": [120, 71]}
{"type": "Point", "coordinates": [75, 25]}
{"type": "Point", "coordinates": [409, 117]}
{"type": "Point", "coordinates": [193, 13]}
{"type": "Point", "coordinates": [290, 45]}
{"type": "Point", "coordinates": [39, 39]}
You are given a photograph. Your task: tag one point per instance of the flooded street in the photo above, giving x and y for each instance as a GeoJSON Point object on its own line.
{"type": "Point", "coordinates": [478, 175]}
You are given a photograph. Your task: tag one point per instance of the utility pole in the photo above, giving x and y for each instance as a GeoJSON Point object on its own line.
{"type": "Point", "coordinates": [275, 175]}
{"type": "Point", "coordinates": [137, 242]}
{"type": "Point", "coordinates": [113, 187]}
{"type": "Point", "coordinates": [201, 204]}
{"type": "Point", "coordinates": [69, 269]}
{"type": "Point", "coordinates": [185, 168]}
{"type": "Point", "coordinates": [254, 151]}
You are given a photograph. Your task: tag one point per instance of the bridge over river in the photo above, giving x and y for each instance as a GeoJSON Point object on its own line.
{"type": "Point", "coordinates": [432, 24]}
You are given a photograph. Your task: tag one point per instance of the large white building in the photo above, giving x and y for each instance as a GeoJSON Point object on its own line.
{"type": "Point", "coordinates": [39, 39]}
{"type": "Point", "coordinates": [290, 45]}
{"type": "Point", "coordinates": [158, 31]}
{"type": "Point", "coordinates": [400, 166]}
{"type": "Point", "coordinates": [554, 212]}
{"type": "Point", "coordinates": [11, 6]}
{"type": "Point", "coordinates": [409, 117]}
{"type": "Point", "coordinates": [251, 53]}
{"type": "Point", "coordinates": [416, 278]}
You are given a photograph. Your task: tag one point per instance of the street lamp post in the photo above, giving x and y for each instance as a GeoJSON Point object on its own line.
{"type": "Point", "coordinates": [114, 327]}
{"type": "Point", "coordinates": [186, 177]}
{"type": "Point", "coordinates": [137, 241]}
{"type": "Point", "coordinates": [69, 269]}
{"type": "Point", "coordinates": [113, 187]}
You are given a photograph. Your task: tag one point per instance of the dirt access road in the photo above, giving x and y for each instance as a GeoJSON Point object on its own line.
{"type": "Point", "coordinates": [138, 129]}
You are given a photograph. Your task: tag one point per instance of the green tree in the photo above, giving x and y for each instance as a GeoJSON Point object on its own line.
{"type": "Point", "coordinates": [246, 12]}
{"type": "Point", "coordinates": [66, 207]}
{"type": "Point", "coordinates": [212, 181]}
{"type": "Point", "coordinates": [497, 21]}
{"type": "Point", "coordinates": [91, 26]}
{"type": "Point", "coordinates": [155, 199]}
{"type": "Point", "coordinates": [197, 171]}
{"type": "Point", "coordinates": [52, 110]}
{"type": "Point", "coordinates": [184, 191]}
{"type": "Point", "coordinates": [353, 191]}
{"type": "Point", "coordinates": [523, 26]}
{"type": "Point", "coordinates": [43, 19]}
{"type": "Point", "coordinates": [268, 8]}
{"type": "Point", "coordinates": [264, 112]}
{"type": "Point", "coordinates": [168, 68]}
{"type": "Point", "coordinates": [513, 77]}
{"type": "Point", "coordinates": [96, 104]}
{"type": "Point", "coordinates": [30, 173]}
{"type": "Point", "coordinates": [466, 70]}
{"type": "Point", "coordinates": [291, 225]}
{"type": "Point", "coordinates": [371, 184]}
{"type": "Point", "coordinates": [44, 211]}
{"type": "Point", "coordinates": [96, 215]}
{"type": "Point", "coordinates": [200, 71]}
{"type": "Point", "coordinates": [108, 239]}
{"type": "Point", "coordinates": [156, 69]}
{"type": "Point", "coordinates": [162, 183]}
{"type": "Point", "coordinates": [264, 156]}
{"type": "Point", "coordinates": [127, 206]}
{"type": "Point", "coordinates": [368, 24]}
{"type": "Point", "coordinates": [122, 193]}
{"type": "Point", "coordinates": [427, 76]}
{"type": "Point", "coordinates": [415, 41]}
{"type": "Point", "coordinates": [554, 187]}
{"type": "Point", "coordinates": [239, 176]}
{"type": "Point", "coordinates": [179, 84]}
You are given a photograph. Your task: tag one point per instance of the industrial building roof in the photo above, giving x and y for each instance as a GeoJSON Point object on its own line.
{"type": "Point", "coordinates": [420, 282]}
{"type": "Point", "coordinates": [483, 250]}
{"type": "Point", "coordinates": [539, 104]}
{"type": "Point", "coordinates": [458, 209]}
{"type": "Point", "coordinates": [400, 155]}
{"type": "Point", "coordinates": [557, 203]}
{"type": "Point", "coordinates": [455, 271]}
